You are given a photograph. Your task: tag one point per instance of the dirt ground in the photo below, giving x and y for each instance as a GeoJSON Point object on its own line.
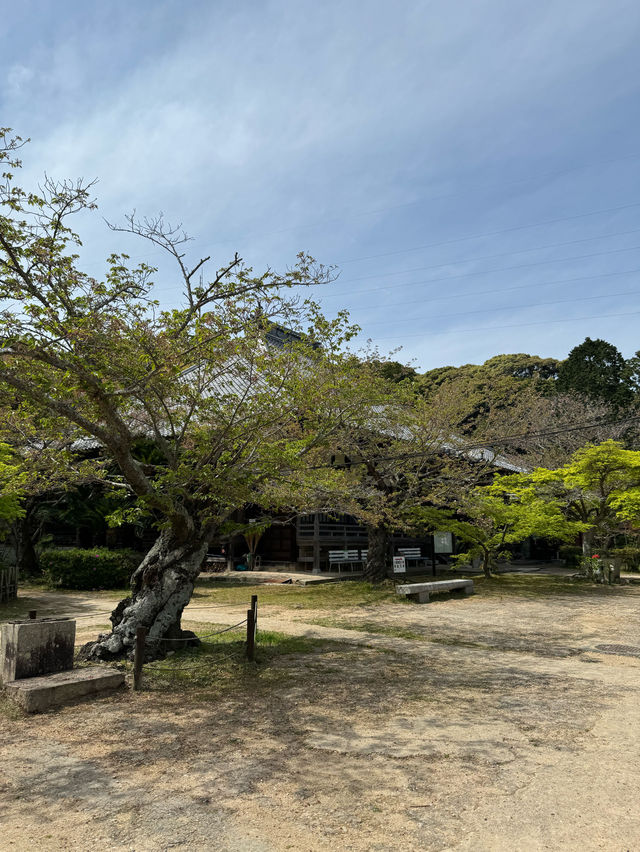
{"type": "Point", "coordinates": [498, 725]}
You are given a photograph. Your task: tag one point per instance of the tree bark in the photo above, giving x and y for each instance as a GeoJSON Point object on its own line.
{"type": "Point", "coordinates": [378, 554]}
{"type": "Point", "coordinates": [486, 564]}
{"type": "Point", "coordinates": [23, 536]}
{"type": "Point", "coordinates": [161, 587]}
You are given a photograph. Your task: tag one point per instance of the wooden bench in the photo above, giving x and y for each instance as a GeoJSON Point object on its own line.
{"type": "Point", "coordinates": [420, 591]}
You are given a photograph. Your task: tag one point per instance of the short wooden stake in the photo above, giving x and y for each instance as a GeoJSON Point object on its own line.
{"type": "Point", "coordinates": [33, 613]}
{"type": "Point", "coordinates": [254, 607]}
{"type": "Point", "coordinates": [138, 657]}
{"type": "Point", "coordinates": [251, 635]}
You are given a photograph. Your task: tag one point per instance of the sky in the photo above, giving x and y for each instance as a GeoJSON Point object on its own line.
{"type": "Point", "coordinates": [472, 168]}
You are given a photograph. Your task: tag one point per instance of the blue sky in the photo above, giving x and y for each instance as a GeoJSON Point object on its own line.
{"type": "Point", "coordinates": [473, 168]}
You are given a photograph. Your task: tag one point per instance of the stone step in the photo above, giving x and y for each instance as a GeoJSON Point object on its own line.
{"type": "Point", "coordinates": [36, 694]}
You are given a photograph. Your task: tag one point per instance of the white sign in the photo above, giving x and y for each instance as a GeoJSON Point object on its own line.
{"type": "Point", "coordinates": [399, 565]}
{"type": "Point", "coordinates": [442, 542]}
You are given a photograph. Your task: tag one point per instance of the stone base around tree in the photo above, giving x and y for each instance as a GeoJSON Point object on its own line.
{"type": "Point", "coordinates": [37, 694]}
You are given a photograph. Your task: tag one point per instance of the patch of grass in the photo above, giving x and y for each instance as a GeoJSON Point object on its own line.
{"type": "Point", "coordinates": [220, 663]}
{"type": "Point", "coordinates": [9, 710]}
{"type": "Point", "coordinates": [346, 593]}
{"type": "Point", "coordinates": [370, 627]}
{"type": "Point", "coordinates": [540, 586]}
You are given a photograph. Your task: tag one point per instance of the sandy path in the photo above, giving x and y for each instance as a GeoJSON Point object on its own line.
{"type": "Point", "coordinates": [526, 740]}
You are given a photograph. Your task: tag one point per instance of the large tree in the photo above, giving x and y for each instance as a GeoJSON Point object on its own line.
{"type": "Point", "coordinates": [400, 450]}
{"type": "Point", "coordinates": [97, 366]}
{"type": "Point", "coordinates": [596, 370]}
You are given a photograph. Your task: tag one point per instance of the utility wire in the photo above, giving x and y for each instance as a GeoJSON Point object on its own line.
{"type": "Point", "coordinates": [475, 272]}
{"type": "Point", "coordinates": [514, 251]}
{"type": "Point", "coordinates": [510, 307]}
{"type": "Point", "coordinates": [526, 286]}
{"type": "Point", "coordinates": [492, 233]}
{"type": "Point", "coordinates": [430, 333]}
{"type": "Point", "coordinates": [157, 290]}
{"type": "Point", "coordinates": [489, 442]}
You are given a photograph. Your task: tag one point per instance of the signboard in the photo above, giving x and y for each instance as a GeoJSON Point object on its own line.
{"type": "Point", "coordinates": [442, 542]}
{"type": "Point", "coordinates": [399, 565]}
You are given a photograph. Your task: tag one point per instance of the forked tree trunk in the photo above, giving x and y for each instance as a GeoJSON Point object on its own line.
{"type": "Point", "coordinates": [378, 554]}
{"type": "Point", "coordinates": [161, 587]}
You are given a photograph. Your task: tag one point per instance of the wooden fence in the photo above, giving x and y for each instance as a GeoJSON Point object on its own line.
{"type": "Point", "coordinates": [8, 583]}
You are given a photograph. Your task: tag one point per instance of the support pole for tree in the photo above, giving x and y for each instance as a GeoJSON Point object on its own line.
{"type": "Point", "coordinates": [138, 657]}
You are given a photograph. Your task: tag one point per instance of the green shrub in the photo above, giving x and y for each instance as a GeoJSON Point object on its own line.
{"type": "Point", "coordinates": [572, 555]}
{"type": "Point", "coordinates": [630, 557]}
{"type": "Point", "coordinates": [74, 568]}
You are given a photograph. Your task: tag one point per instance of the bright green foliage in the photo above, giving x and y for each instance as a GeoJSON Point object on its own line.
{"type": "Point", "coordinates": [600, 487]}
{"type": "Point", "coordinates": [489, 520]}
{"type": "Point", "coordinates": [11, 482]}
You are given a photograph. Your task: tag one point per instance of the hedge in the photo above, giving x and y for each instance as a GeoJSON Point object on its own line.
{"type": "Point", "coordinates": [74, 568]}
{"type": "Point", "coordinates": [572, 555]}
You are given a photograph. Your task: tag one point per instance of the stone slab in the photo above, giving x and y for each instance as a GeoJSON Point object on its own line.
{"type": "Point", "coordinates": [420, 591]}
{"type": "Point", "coordinates": [37, 694]}
{"type": "Point", "coordinates": [36, 647]}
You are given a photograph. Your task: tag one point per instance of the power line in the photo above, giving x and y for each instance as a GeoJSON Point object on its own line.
{"type": "Point", "coordinates": [475, 236]}
{"type": "Point", "coordinates": [431, 333]}
{"type": "Point", "coordinates": [341, 295]}
{"type": "Point", "coordinates": [508, 253]}
{"type": "Point", "coordinates": [388, 208]}
{"type": "Point", "coordinates": [493, 233]}
{"type": "Point", "coordinates": [474, 273]}
{"type": "Point", "coordinates": [487, 444]}
{"type": "Point", "coordinates": [512, 307]}
{"type": "Point", "coordinates": [526, 286]}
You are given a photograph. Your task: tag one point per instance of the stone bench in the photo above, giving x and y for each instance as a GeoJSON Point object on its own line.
{"type": "Point", "coordinates": [420, 591]}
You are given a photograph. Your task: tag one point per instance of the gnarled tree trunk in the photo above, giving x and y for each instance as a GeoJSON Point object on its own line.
{"type": "Point", "coordinates": [161, 587]}
{"type": "Point", "coordinates": [378, 554]}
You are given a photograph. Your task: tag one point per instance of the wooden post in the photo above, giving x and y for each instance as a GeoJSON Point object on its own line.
{"type": "Point", "coordinates": [254, 607]}
{"type": "Point", "coordinates": [316, 543]}
{"type": "Point", "coordinates": [251, 635]}
{"type": "Point", "coordinates": [138, 657]}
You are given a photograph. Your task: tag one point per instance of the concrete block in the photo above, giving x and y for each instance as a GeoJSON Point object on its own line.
{"type": "Point", "coordinates": [420, 597]}
{"type": "Point", "coordinates": [37, 694]}
{"type": "Point", "coordinates": [36, 647]}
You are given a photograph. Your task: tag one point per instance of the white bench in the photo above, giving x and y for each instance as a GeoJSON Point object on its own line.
{"type": "Point", "coordinates": [411, 554]}
{"type": "Point", "coordinates": [345, 557]}
{"type": "Point", "coordinates": [420, 591]}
